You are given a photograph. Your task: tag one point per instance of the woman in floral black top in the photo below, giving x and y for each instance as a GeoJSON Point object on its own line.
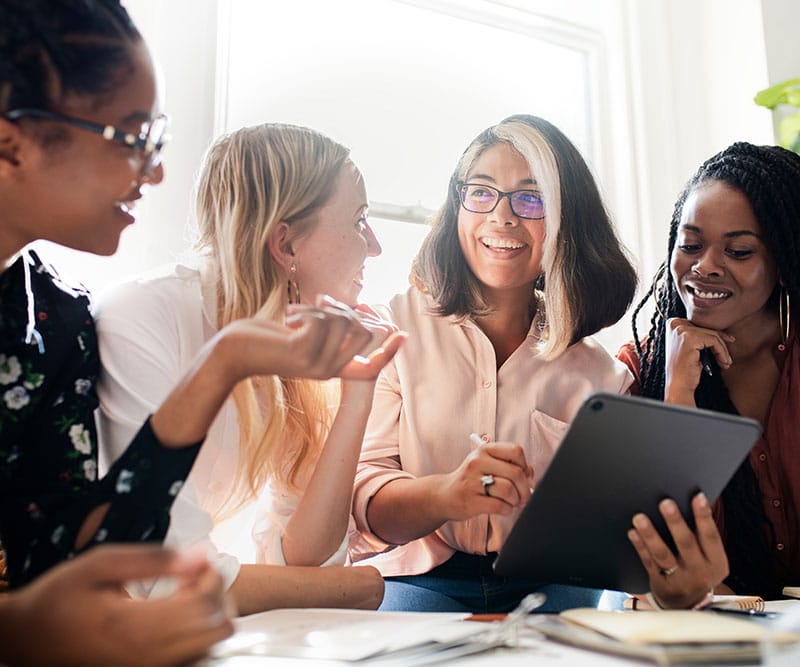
{"type": "Point", "coordinates": [80, 135]}
{"type": "Point", "coordinates": [48, 442]}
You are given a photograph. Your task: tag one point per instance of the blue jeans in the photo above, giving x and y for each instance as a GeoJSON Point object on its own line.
{"type": "Point", "coordinates": [467, 583]}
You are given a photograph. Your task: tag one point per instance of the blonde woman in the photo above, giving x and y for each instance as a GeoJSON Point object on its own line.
{"type": "Point", "coordinates": [282, 216]}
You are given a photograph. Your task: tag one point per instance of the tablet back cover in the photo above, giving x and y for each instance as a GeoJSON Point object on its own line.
{"type": "Point", "coordinates": [621, 455]}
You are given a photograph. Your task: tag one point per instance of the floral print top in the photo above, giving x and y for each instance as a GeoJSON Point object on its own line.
{"type": "Point", "coordinates": [49, 365]}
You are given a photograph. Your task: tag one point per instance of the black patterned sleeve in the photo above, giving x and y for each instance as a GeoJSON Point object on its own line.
{"type": "Point", "coordinates": [141, 487]}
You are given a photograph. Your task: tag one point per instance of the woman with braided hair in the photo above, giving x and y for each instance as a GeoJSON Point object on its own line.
{"type": "Point", "coordinates": [722, 338]}
{"type": "Point", "coordinates": [80, 137]}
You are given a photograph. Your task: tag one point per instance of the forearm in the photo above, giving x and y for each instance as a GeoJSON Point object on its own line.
{"type": "Point", "coordinates": [263, 587]}
{"type": "Point", "coordinates": [186, 414]}
{"type": "Point", "coordinates": [14, 629]}
{"type": "Point", "coordinates": [319, 524]}
{"type": "Point", "coordinates": [679, 394]}
{"type": "Point", "coordinates": [407, 509]}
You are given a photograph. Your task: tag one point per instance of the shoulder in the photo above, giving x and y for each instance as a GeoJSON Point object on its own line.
{"type": "Point", "coordinates": [165, 289]}
{"type": "Point", "coordinates": [45, 281]}
{"type": "Point", "coordinates": [594, 361]}
{"type": "Point", "coordinates": [411, 308]}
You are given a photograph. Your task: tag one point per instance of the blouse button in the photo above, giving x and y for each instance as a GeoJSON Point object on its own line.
{"type": "Point", "coordinates": [485, 437]}
{"type": "Point", "coordinates": [487, 384]}
{"type": "Point", "coordinates": [762, 457]}
{"type": "Point", "coordinates": [780, 546]}
{"type": "Point", "coordinates": [776, 503]}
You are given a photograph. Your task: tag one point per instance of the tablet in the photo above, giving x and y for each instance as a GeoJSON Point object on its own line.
{"type": "Point", "coordinates": [621, 455]}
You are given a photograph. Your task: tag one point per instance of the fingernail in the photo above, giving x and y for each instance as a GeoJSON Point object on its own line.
{"type": "Point", "coordinates": [668, 506]}
{"type": "Point", "coordinates": [633, 536]}
{"type": "Point", "coordinates": [640, 520]}
{"type": "Point", "coordinates": [702, 499]}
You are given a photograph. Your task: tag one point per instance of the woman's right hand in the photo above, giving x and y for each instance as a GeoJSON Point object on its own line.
{"type": "Point", "coordinates": [78, 612]}
{"type": "Point", "coordinates": [685, 342]}
{"type": "Point", "coordinates": [464, 495]}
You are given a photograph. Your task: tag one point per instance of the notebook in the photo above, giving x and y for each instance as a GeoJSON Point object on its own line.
{"type": "Point", "coordinates": [621, 455]}
{"type": "Point", "coordinates": [667, 638]}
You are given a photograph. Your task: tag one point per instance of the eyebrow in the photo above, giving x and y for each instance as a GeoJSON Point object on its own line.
{"type": "Point", "coordinates": [486, 177]}
{"type": "Point", "coordinates": [728, 235]}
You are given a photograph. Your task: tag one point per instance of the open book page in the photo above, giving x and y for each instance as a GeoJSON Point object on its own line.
{"type": "Point", "coordinates": [665, 637]}
{"type": "Point", "coordinates": [350, 635]}
{"type": "Point", "coordinates": [558, 629]}
{"type": "Point", "coordinates": [781, 606]}
{"type": "Point", "coordinates": [666, 627]}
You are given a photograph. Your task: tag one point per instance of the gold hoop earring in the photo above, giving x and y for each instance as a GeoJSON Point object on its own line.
{"type": "Point", "coordinates": [292, 289]}
{"type": "Point", "coordinates": [785, 317]}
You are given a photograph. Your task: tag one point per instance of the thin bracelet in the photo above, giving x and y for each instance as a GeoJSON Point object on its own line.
{"type": "Point", "coordinates": [704, 602]}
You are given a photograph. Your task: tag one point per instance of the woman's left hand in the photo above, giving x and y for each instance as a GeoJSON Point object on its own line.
{"type": "Point", "coordinates": [680, 581]}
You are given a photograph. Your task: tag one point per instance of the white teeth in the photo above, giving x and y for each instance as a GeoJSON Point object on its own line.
{"type": "Point", "coordinates": [710, 295]}
{"type": "Point", "coordinates": [125, 206]}
{"type": "Point", "coordinates": [507, 244]}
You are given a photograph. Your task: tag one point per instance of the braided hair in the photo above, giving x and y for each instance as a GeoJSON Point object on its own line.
{"type": "Point", "coordinates": [53, 48]}
{"type": "Point", "coordinates": [769, 176]}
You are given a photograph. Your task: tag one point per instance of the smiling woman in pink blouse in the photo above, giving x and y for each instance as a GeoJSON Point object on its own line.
{"type": "Point", "coordinates": [522, 264]}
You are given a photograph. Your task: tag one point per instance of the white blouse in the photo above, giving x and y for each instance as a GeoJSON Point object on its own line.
{"type": "Point", "coordinates": [150, 331]}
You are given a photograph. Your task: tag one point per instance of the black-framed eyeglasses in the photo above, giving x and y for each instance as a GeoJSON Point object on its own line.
{"type": "Point", "coordinates": [151, 138]}
{"type": "Point", "coordinates": [480, 198]}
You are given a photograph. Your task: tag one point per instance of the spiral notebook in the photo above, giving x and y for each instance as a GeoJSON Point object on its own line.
{"type": "Point", "coordinates": [621, 455]}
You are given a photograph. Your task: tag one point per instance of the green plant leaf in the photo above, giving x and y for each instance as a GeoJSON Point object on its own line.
{"type": "Point", "coordinates": [786, 92]}
{"type": "Point", "coordinates": [789, 131]}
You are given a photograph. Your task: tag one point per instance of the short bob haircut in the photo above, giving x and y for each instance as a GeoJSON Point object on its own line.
{"type": "Point", "coordinates": [587, 281]}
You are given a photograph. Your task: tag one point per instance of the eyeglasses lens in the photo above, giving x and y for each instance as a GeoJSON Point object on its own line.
{"type": "Point", "coordinates": [484, 199]}
{"type": "Point", "coordinates": [156, 137]}
{"type": "Point", "coordinates": [526, 204]}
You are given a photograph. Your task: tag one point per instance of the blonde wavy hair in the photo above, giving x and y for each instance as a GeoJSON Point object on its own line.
{"type": "Point", "coordinates": [251, 180]}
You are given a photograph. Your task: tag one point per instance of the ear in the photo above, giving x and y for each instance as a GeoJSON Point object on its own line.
{"type": "Point", "coordinates": [280, 245]}
{"type": "Point", "coordinates": [11, 144]}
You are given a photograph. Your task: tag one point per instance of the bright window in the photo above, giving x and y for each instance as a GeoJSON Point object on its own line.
{"type": "Point", "coordinates": [406, 86]}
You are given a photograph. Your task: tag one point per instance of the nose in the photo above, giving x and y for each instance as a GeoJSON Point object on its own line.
{"type": "Point", "coordinates": [155, 175]}
{"type": "Point", "coordinates": [503, 213]}
{"type": "Point", "coordinates": [373, 247]}
{"type": "Point", "coordinates": [709, 263]}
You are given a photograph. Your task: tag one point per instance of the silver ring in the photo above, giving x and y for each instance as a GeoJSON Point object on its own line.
{"type": "Point", "coordinates": [667, 571]}
{"type": "Point", "coordinates": [487, 481]}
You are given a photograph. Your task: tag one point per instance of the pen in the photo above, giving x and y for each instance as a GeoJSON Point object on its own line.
{"type": "Point", "coordinates": [746, 612]}
{"type": "Point", "coordinates": [475, 439]}
{"type": "Point", "coordinates": [705, 359]}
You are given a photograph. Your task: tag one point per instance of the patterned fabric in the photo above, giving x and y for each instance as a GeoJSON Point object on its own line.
{"type": "Point", "coordinates": [49, 365]}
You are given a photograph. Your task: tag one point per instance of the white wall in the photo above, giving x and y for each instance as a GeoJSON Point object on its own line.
{"type": "Point", "coordinates": [677, 75]}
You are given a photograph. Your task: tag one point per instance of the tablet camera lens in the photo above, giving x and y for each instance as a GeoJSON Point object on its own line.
{"type": "Point", "coordinates": [597, 405]}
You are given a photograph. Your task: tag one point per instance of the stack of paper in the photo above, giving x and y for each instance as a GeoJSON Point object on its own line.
{"type": "Point", "coordinates": [387, 638]}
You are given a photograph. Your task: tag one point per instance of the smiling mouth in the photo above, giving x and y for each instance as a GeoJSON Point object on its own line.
{"type": "Point", "coordinates": [125, 206]}
{"type": "Point", "coordinates": [501, 244]}
{"type": "Point", "coordinates": [703, 294]}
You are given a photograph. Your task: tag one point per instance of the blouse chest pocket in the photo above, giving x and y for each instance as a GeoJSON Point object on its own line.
{"type": "Point", "coordinates": [546, 434]}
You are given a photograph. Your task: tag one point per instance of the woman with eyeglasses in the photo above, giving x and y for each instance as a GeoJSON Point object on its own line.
{"type": "Point", "coordinates": [80, 138]}
{"type": "Point", "coordinates": [521, 265]}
